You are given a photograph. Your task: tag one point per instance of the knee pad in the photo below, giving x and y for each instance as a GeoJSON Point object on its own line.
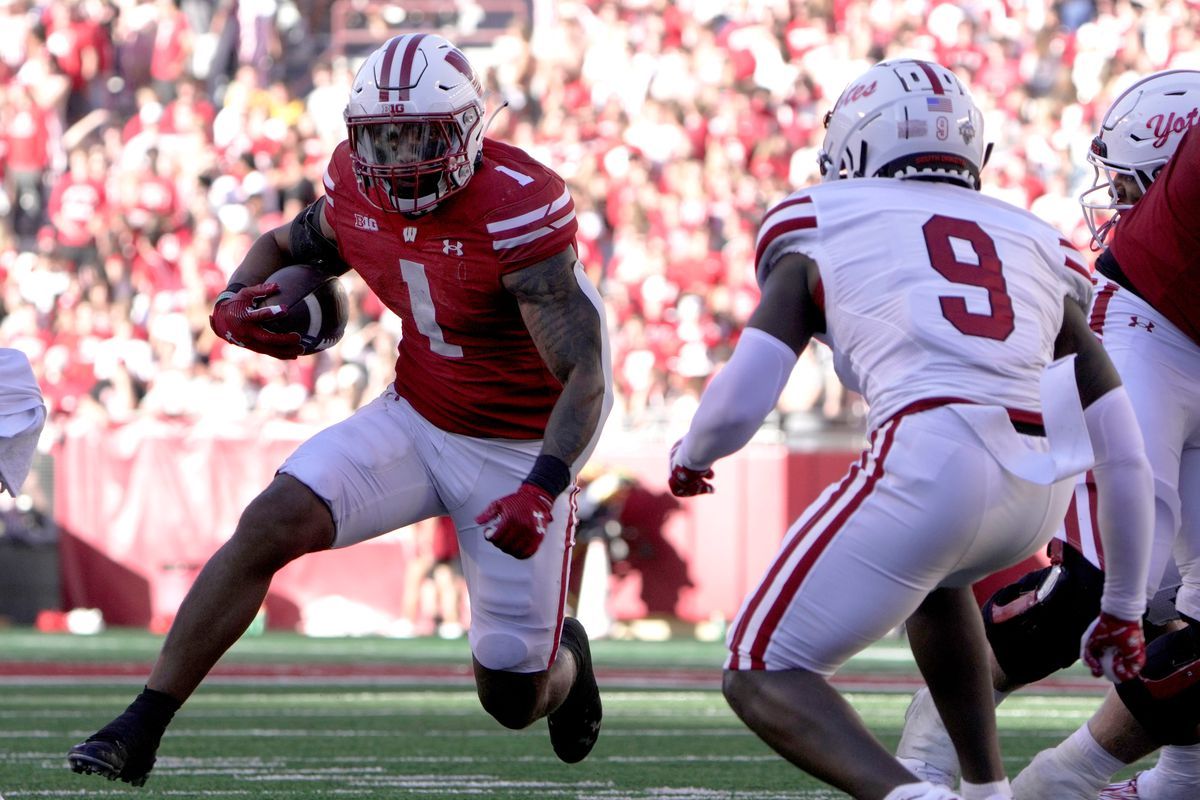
{"type": "Point", "coordinates": [1165, 697]}
{"type": "Point", "coordinates": [1034, 625]}
{"type": "Point", "coordinates": [499, 651]}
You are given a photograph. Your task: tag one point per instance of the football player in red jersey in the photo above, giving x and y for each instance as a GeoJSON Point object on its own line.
{"type": "Point", "coordinates": [954, 314]}
{"type": "Point", "coordinates": [1147, 314]}
{"type": "Point", "coordinates": [502, 388]}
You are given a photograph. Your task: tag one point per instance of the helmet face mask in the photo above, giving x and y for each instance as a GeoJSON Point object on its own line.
{"type": "Point", "coordinates": [904, 118]}
{"type": "Point", "coordinates": [415, 123]}
{"type": "Point", "coordinates": [1138, 135]}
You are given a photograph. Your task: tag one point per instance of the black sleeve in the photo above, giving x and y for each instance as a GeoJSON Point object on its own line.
{"type": "Point", "coordinates": [310, 246]}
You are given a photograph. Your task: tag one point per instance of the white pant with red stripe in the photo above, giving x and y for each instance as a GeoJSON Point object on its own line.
{"type": "Point", "coordinates": [386, 467]}
{"type": "Point", "coordinates": [1160, 367]}
{"type": "Point", "coordinates": [926, 506]}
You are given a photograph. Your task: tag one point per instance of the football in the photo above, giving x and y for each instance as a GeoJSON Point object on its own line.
{"type": "Point", "coordinates": [315, 303]}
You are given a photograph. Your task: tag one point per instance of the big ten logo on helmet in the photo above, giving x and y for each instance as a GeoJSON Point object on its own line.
{"type": "Point", "coordinates": [1163, 126]}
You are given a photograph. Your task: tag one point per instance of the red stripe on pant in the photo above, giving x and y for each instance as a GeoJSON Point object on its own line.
{"type": "Point", "coordinates": [824, 536]}
{"type": "Point", "coordinates": [1100, 309]}
{"type": "Point", "coordinates": [565, 575]}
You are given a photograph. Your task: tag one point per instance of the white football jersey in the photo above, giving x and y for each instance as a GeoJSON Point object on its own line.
{"type": "Point", "coordinates": [930, 291]}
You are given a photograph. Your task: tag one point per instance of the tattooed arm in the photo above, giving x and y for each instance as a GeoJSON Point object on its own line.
{"type": "Point", "coordinates": [562, 312]}
{"type": "Point", "coordinates": [566, 325]}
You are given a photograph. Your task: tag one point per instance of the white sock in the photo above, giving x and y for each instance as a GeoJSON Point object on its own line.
{"type": "Point", "coordinates": [995, 790]}
{"type": "Point", "coordinates": [1177, 766]}
{"type": "Point", "coordinates": [1083, 756]}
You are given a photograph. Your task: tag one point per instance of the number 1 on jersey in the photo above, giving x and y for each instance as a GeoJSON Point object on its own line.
{"type": "Point", "coordinates": [421, 301]}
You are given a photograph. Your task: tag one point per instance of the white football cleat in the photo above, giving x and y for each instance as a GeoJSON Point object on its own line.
{"type": "Point", "coordinates": [928, 772]}
{"type": "Point", "coordinates": [925, 747]}
{"type": "Point", "coordinates": [1047, 779]}
{"type": "Point", "coordinates": [921, 791]}
{"type": "Point", "coordinates": [1125, 790]}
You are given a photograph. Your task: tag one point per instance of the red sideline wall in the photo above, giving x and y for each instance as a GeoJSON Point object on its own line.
{"type": "Point", "coordinates": [142, 507]}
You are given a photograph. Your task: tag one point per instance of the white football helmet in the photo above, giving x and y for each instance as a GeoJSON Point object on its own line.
{"type": "Point", "coordinates": [904, 118]}
{"type": "Point", "coordinates": [1138, 135]}
{"type": "Point", "coordinates": [415, 123]}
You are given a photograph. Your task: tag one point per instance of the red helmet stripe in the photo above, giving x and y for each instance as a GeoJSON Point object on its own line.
{"type": "Point", "coordinates": [395, 79]}
{"type": "Point", "coordinates": [385, 69]}
{"type": "Point", "coordinates": [406, 63]}
{"type": "Point", "coordinates": [934, 80]}
{"type": "Point", "coordinates": [457, 60]}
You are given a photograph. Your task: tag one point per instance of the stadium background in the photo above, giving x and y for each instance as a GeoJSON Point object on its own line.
{"type": "Point", "coordinates": [146, 143]}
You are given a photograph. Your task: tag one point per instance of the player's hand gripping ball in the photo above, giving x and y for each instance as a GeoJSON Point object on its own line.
{"type": "Point", "coordinates": [238, 318]}
{"type": "Point", "coordinates": [314, 305]}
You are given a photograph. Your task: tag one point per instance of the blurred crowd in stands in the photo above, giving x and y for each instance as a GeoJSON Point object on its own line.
{"type": "Point", "coordinates": [146, 143]}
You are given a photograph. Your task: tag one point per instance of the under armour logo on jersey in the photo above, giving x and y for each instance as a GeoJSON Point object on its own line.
{"type": "Point", "coordinates": [363, 222]}
{"type": "Point", "coordinates": [1136, 322]}
{"type": "Point", "coordinates": [410, 234]}
{"type": "Point", "coordinates": [452, 248]}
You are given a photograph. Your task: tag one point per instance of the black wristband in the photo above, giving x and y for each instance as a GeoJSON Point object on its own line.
{"type": "Point", "coordinates": [230, 292]}
{"type": "Point", "coordinates": [550, 473]}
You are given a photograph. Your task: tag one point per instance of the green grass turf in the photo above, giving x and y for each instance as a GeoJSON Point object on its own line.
{"type": "Point", "coordinates": [387, 738]}
{"type": "Point", "coordinates": [127, 645]}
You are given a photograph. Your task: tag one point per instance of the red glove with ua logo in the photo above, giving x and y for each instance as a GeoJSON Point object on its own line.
{"type": "Point", "coordinates": [238, 319]}
{"type": "Point", "coordinates": [517, 522]}
{"type": "Point", "coordinates": [1114, 648]}
{"type": "Point", "coordinates": [685, 481]}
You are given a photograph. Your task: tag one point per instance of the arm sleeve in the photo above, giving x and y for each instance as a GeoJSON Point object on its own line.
{"type": "Point", "coordinates": [739, 398]}
{"type": "Point", "coordinates": [1124, 502]}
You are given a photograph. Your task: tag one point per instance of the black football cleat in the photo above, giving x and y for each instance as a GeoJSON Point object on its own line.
{"type": "Point", "coordinates": [116, 751]}
{"type": "Point", "coordinates": [575, 725]}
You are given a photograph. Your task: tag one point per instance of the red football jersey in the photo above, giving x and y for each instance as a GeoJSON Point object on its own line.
{"type": "Point", "coordinates": [1157, 242]}
{"type": "Point", "coordinates": [466, 360]}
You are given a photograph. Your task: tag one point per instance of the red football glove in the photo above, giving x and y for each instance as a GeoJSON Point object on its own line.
{"type": "Point", "coordinates": [238, 321]}
{"type": "Point", "coordinates": [517, 523]}
{"type": "Point", "coordinates": [1114, 648]}
{"type": "Point", "coordinates": [685, 481]}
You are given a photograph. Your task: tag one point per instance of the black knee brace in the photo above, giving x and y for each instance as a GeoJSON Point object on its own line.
{"type": "Point", "coordinates": [1034, 625]}
{"type": "Point", "coordinates": [1165, 698]}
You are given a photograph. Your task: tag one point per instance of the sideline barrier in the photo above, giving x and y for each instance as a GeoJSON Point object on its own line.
{"type": "Point", "coordinates": [142, 507]}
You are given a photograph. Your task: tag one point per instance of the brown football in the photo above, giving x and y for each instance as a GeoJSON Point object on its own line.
{"type": "Point", "coordinates": [315, 303]}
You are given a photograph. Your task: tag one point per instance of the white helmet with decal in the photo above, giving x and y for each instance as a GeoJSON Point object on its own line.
{"type": "Point", "coordinates": [1139, 134]}
{"type": "Point", "coordinates": [415, 123]}
{"type": "Point", "coordinates": [904, 118]}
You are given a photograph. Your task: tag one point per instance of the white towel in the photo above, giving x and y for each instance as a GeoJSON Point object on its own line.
{"type": "Point", "coordinates": [1069, 450]}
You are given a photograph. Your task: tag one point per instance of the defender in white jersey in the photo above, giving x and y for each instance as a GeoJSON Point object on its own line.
{"type": "Point", "coordinates": [1145, 315]}
{"type": "Point", "coordinates": [946, 310]}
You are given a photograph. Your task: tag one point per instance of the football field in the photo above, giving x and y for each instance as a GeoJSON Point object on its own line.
{"type": "Point", "coordinates": [290, 717]}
